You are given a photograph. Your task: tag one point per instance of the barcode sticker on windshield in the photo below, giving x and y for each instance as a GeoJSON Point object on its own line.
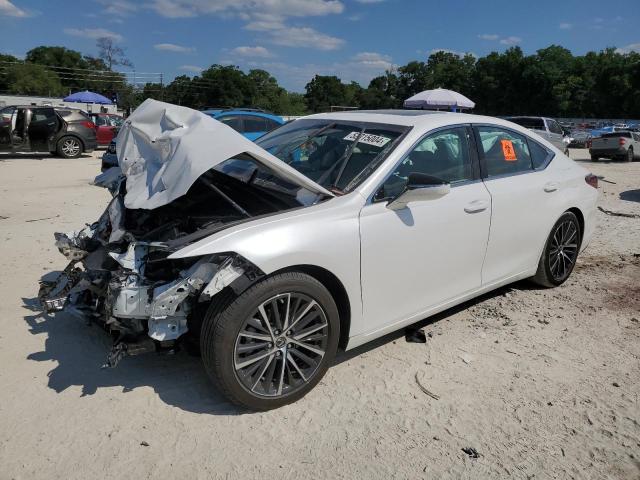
{"type": "Point", "coordinates": [368, 139]}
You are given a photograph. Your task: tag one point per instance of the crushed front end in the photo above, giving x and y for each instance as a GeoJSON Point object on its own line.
{"type": "Point", "coordinates": [129, 286]}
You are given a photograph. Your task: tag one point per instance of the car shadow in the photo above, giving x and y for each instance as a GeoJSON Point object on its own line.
{"type": "Point", "coordinates": [78, 350]}
{"type": "Point", "coordinates": [398, 334]}
{"type": "Point", "coordinates": [631, 195]}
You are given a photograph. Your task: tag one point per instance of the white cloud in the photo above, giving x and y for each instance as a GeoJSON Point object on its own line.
{"type": "Point", "coordinates": [634, 47]}
{"type": "Point", "coordinates": [510, 40]}
{"type": "Point", "coordinates": [370, 1]}
{"type": "Point", "coordinates": [488, 36]}
{"type": "Point", "coordinates": [172, 47]}
{"type": "Point", "coordinates": [191, 68]}
{"type": "Point", "coordinates": [120, 8]}
{"type": "Point", "coordinates": [503, 40]}
{"type": "Point", "coordinates": [267, 16]}
{"type": "Point", "coordinates": [284, 8]}
{"type": "Point", "coordinates": [373, 60]}
{"type": "Point", "coordinates": [10, 10]}
{"type": "Point", "coordinates": [93, 33]}
{"type": "Point", "coordinates": [305, 37]}
{"type": "Point", "coordinates": [256, 51]}
{"type": "Point", "coordinates": [565, 26]}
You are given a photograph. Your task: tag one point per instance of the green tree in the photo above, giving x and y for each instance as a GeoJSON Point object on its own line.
{"type": "Point", "coordinates": [324, 91]}
{"type": "Point", "coordinates": [31, 79]}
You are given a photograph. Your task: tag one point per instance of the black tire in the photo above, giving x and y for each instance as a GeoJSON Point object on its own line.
{"type": "Point", "coordinates": [594, 158]}
{"type": "Point", "coordinates": [69, 147]}
{"type": "Point", "coordinates": [560, 252]}
{"type": "Point", "coordinates": [629, 157]}
{"type": "Point", "coordinates": [221, 340]}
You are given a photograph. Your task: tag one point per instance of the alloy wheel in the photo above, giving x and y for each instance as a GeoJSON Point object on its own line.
{"type": "Point", "coordinates": [71, 147]}
{"type": "Point", "coordinates": [281, 345]}
{"type": "Point", "coordinates": [564, 250]}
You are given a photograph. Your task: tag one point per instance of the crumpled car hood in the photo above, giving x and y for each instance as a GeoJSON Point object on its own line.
{"type": "Point", "coordinates": [163, 149]}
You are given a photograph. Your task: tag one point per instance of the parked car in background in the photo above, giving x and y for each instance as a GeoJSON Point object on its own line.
{"type": "Point", "coordinates": [547, 128]}
{"type": "Point", "coordinates": [107, 126]}
{"type": "Point", "coordinates": [330, 231]}
{"type": "Point", "coordinates": [250, 122]}
{"type": "Point", "coordinates": [623, 145]}
{"type": "Point", "coordinates": [579, 139]}
{"type": "Point", "coordinates": [63, 131]}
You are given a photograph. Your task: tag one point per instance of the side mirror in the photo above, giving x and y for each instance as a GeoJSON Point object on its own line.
{"type": "Point", "coordinates": [420, 187]}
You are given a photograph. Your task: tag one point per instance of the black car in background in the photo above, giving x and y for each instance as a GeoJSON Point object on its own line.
{"type": "Point", "coordinates": [66, 132]}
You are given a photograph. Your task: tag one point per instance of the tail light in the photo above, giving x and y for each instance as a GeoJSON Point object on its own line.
{"type": "Point", "coordinates": [622, 141]}
{"type": "Point", "coordinates": [89, 124]}
{"type": "Point", "coordinates": [592, 180]}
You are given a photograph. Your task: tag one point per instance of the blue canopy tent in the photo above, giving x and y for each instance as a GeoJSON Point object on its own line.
{"type": "Point", "coordinates": [88, 97]}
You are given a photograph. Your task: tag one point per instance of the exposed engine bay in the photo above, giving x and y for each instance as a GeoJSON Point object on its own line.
{"type": "Point", "coordinates": [174, 187]}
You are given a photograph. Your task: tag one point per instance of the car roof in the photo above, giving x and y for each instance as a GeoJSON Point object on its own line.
{"type": "Point", "coordinates": [240, 112]}
{"type": "Point", "coordinates": [410, 118]}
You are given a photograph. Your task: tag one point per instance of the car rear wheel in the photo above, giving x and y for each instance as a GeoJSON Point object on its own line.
{"type": "Point", "coordinates": [69, 147]}
{"type": "Point", "coordinates": [594, 158]}
{"type": "Point", "coordinates": [271, 345]}
{"type": "Point", "coordinates": [560, 252]}
{"type": "Point", "coordinates": [630, 154]}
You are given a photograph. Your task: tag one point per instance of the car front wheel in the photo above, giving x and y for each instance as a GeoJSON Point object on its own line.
{"type": "Point", "coordinates": [560, 252]}
{"type": "Point", "coordinates": [69, 147]}
{"type": "Point", "coordinates": [272, 344]}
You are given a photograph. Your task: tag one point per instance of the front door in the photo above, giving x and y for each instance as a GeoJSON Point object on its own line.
{"type": "Point", "coordinates": [42, 129]}
{"type": "Point", "coordinates": [431, 251]}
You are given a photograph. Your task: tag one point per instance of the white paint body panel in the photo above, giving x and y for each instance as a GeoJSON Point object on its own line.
{"type": "Point", "coordinates": [399, 267]}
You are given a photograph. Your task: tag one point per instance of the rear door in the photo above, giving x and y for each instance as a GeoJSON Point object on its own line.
{"type": "Point", "coordinates": [42, 129]}
{"type": "Point", "coordinates": [522, 191]}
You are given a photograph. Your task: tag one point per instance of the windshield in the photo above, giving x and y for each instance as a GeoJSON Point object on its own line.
{"type": "Point", "coordinates": [338, 155]}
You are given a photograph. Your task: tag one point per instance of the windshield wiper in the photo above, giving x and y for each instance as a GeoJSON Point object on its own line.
{"type": "Point", "coordinates": [347, 156]}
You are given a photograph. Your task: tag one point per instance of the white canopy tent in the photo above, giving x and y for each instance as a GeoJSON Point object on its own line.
{"type": "Point", "coordinates": [439, 99]}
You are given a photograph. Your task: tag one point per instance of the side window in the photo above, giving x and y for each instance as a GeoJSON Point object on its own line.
{"type": "Point", "coordinates": [6, 114]}
{"type": "Point", "coordinates": [539, 154]}
{"type": "Point", "coordinates": [43, 115]}
{"type": "Point", "coordinates": [505, 152]}
{"type": "Point", "coordinates": [271, 124]}
{"type": "Point", "coordinates": [444, 154]}
{"type": "Point", "coordinates": [254, 124]}
{"type": "Point", "coordinates": [233, 121]}
{"type": "Point", "coordinates": [554, 127]}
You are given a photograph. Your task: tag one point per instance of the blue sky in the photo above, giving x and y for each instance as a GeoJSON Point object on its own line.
{"type": "Point", "coordinates": [295, 39]}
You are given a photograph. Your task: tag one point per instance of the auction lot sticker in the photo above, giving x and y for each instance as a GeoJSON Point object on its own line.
{"type": "Point", "coordinates": [508, 151]}
{"type": "Point", "coordinates": [368, 139]}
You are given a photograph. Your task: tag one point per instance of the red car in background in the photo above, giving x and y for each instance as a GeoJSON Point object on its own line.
{"type": "Point", "coordinates": [107, 126]}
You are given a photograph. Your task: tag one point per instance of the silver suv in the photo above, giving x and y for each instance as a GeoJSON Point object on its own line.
{"type": "Point", "coordinates": [547, 128]}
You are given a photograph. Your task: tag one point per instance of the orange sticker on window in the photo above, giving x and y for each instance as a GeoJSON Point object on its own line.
{"type": "Point", "coordinates": [508, 151]}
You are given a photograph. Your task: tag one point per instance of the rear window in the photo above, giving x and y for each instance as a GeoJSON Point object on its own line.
{"type": "Point", "coordinates": [617, 134]}
{"type": "Point", "coordinates": [73, 115]}
{"type": "Point", "coordinates": [536, 123]}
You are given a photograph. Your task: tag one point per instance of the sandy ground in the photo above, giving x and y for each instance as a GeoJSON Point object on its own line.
{"type": "Point", "coordinates": [542, 383]}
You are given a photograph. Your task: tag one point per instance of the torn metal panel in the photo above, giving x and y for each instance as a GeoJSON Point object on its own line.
{"type": "Point", "coordinates": [163, 149]}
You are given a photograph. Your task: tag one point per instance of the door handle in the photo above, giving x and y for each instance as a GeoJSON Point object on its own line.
{"type": "Point", "coordinates": [476, 206]}
{"type": "Point", "coordinates": [550, 187]}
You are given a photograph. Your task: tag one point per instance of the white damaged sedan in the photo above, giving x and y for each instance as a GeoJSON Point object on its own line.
{"type": "Point", "coordinates": [326, 233]}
